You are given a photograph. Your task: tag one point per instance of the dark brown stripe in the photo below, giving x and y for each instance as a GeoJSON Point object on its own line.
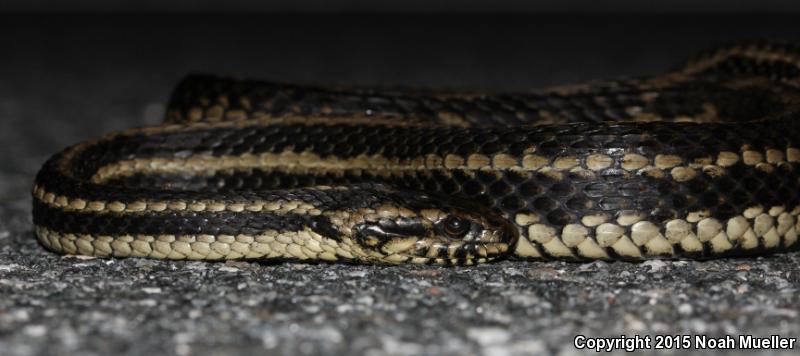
{"type": "Point", "coordinates": [178, 223]}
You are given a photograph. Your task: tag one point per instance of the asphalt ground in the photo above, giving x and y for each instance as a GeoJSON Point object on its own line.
{"type": "Point", "coordinates": [67, 78]}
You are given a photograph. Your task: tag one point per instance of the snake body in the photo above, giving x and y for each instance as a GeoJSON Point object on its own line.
{"type": "Point", "coordinates": [700, 162]}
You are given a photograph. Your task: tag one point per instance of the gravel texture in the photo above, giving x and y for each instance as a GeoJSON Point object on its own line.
{"type": "Point", "coordinates": [67, 79]}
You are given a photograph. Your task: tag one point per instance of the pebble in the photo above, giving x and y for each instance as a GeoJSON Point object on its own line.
{"type": "Point", "coordinates": [488, 335]}
{"type": "Point", "coordinates": [152, 290]}
{"type": "Point", "coordinates": [35, 330]}
{"type": "Point", "coordinates": [9, 267]}
{"type": "Point", "coordinates": [655, 265]}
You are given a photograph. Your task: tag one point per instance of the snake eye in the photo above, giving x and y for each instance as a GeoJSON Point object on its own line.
{"type": "Point", "coordinates": [454, 226]}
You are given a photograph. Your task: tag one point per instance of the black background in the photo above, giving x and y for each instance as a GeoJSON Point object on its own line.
{"type": "Point", "coordinates": [394, 6]}
{"type": "Point", "coordinates": [74, 70]}
{"type": "Point", "coordinates": [73, 74]}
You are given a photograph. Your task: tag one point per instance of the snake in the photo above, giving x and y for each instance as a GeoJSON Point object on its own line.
{"type": "Point", "coordinates": [699, 162]}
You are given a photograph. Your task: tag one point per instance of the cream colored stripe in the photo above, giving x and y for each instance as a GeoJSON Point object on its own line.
{"type": "Point", "coordinates": [302, 244]}
{"type": "Point", "coordinates": [305, 245]}
{"type": "Point", "coordinates": [658, 166]}
{"type": "Point", "coordinates": [274, 207]}
{"type": "Point", "coordinates": [71, 152]}
{"type": "Point", "coordinates": [77, 204]}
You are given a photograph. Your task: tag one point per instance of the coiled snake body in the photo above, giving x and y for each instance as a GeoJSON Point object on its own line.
{"type": "Point", "coordinates": [700, 162]}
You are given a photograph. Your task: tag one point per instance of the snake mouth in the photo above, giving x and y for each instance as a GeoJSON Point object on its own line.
{"type": "Point", "coordinates": [449, 254]}
{"type": "Point", "coordinates": [462, 254]}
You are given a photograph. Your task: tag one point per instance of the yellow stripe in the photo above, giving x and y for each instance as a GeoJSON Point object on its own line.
{"type": "Point", "coordinates": [305, 162]}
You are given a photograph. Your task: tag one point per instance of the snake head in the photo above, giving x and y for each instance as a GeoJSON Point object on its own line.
{"type": "Point", "coordinates": [420, 229]}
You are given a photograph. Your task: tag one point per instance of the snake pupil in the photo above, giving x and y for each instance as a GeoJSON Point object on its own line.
{"type": "Point", "coordinates": [455, 226]}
